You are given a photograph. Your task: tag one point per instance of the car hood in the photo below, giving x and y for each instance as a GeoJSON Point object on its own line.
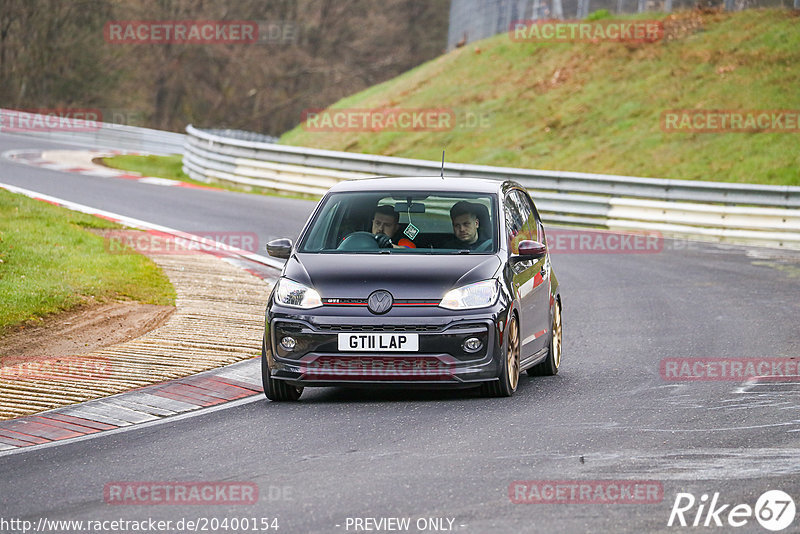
{"type": "Point", "coordinates": [406, 276]}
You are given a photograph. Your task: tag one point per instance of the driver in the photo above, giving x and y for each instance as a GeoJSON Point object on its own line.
{"type": "Point", "coordinates": [385, 227]}
{"type": "Point", "coordinates": [464, 216]}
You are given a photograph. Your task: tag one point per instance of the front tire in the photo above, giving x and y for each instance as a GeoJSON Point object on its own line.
{"type": "Point", "coordinates": [549, 367]}
{"type": "Point", "coordinates": [276, 390]}
{"type": "Point", "coordinates": [509, 375]}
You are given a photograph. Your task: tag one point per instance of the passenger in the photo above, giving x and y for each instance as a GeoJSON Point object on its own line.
{"type": "Point", "coordinates": [466, 221]}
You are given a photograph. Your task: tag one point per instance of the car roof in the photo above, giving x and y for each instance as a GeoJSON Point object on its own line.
{"type": "Point", "coordinates": [417, 183]}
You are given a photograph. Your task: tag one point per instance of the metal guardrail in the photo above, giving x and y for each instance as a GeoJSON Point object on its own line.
{"type": "Point", "coordinates": [211, 146]}
{"type": "Point", "coordinates": [713, 210]}
{"type": "Point", "coordinates": [92, 134]}
{"type": "Point", "coordinates": [710, 210]}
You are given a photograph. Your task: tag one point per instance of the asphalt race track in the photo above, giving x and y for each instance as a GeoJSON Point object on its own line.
{"type": "Point", "coordinates": [448, 459]}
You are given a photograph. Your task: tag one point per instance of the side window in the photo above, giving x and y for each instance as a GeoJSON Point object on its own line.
{"type": "Point", "coordinates": [540, 235]}
{"type": "Point", "coordinates": [322, 234]}
{"type": "Point", "coordinates": [528, 212]}
{"type": "Point", "coordinates": [515, 224]}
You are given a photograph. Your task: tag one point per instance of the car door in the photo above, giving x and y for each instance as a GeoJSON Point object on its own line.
{"type": "Point", "coordinates": [530, 276]}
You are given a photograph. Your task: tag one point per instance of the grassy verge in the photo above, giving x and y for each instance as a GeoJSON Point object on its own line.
{"type": "Point", "coordinates": [597, 107]}
{"type": "Point", "coordinates": [172, 167]}
{"type": "Point", "coordinates": [160, 166]}
{"type": "Point", "coordinates": [52, 262]}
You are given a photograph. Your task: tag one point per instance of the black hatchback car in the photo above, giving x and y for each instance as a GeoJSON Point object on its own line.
{"type": "Point", "coordinates": [431, 282]}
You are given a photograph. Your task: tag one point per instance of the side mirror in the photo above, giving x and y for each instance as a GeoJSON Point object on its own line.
{"type": "Point", "coordinates": [280, 248]}
{"type": "Point", "coordinates": [532, 249]}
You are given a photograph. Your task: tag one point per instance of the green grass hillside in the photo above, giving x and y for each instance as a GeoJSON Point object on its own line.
{"type": "Point", "coordinates": [596, 107]}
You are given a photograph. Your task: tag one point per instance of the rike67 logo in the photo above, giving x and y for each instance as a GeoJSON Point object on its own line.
{"type": "Point", "coordinates": [774, 510]}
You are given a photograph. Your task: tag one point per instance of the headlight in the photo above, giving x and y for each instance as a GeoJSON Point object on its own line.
{"type": "Point", "coordinates": [477, 295]}
{"type": "Point", "coordinates": [290, 293]}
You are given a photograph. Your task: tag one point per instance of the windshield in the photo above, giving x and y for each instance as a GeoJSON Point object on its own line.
{"type": "Point", "coordinates": [403, 223]}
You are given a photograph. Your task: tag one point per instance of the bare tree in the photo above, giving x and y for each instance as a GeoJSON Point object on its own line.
{"type": "Point", "coordinates": [54, 52]}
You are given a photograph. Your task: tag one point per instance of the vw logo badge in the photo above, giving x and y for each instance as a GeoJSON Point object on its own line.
{"type": "Point", "coordinates": [380, 302]}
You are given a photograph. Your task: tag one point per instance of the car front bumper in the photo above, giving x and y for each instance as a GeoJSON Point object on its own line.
{"type": "Point", "coordinates": [441, 360]}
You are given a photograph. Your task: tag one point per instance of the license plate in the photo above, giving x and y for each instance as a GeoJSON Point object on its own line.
{"type": "Point", "coordinates": [390, 342]}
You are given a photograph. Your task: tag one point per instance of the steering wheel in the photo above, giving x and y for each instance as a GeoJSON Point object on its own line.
{"type": "Point", "coordinates": [359, 241]}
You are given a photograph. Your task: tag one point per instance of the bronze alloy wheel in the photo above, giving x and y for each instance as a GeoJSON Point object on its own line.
{"type": "Point", "coordinates": [512, 354]}
{"type": "Point", "coordinates": [550, 365]}
{"type": "Point", "coordinates": [507, 382]}
{"type": "Point", "coordinates": [557, 335]}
